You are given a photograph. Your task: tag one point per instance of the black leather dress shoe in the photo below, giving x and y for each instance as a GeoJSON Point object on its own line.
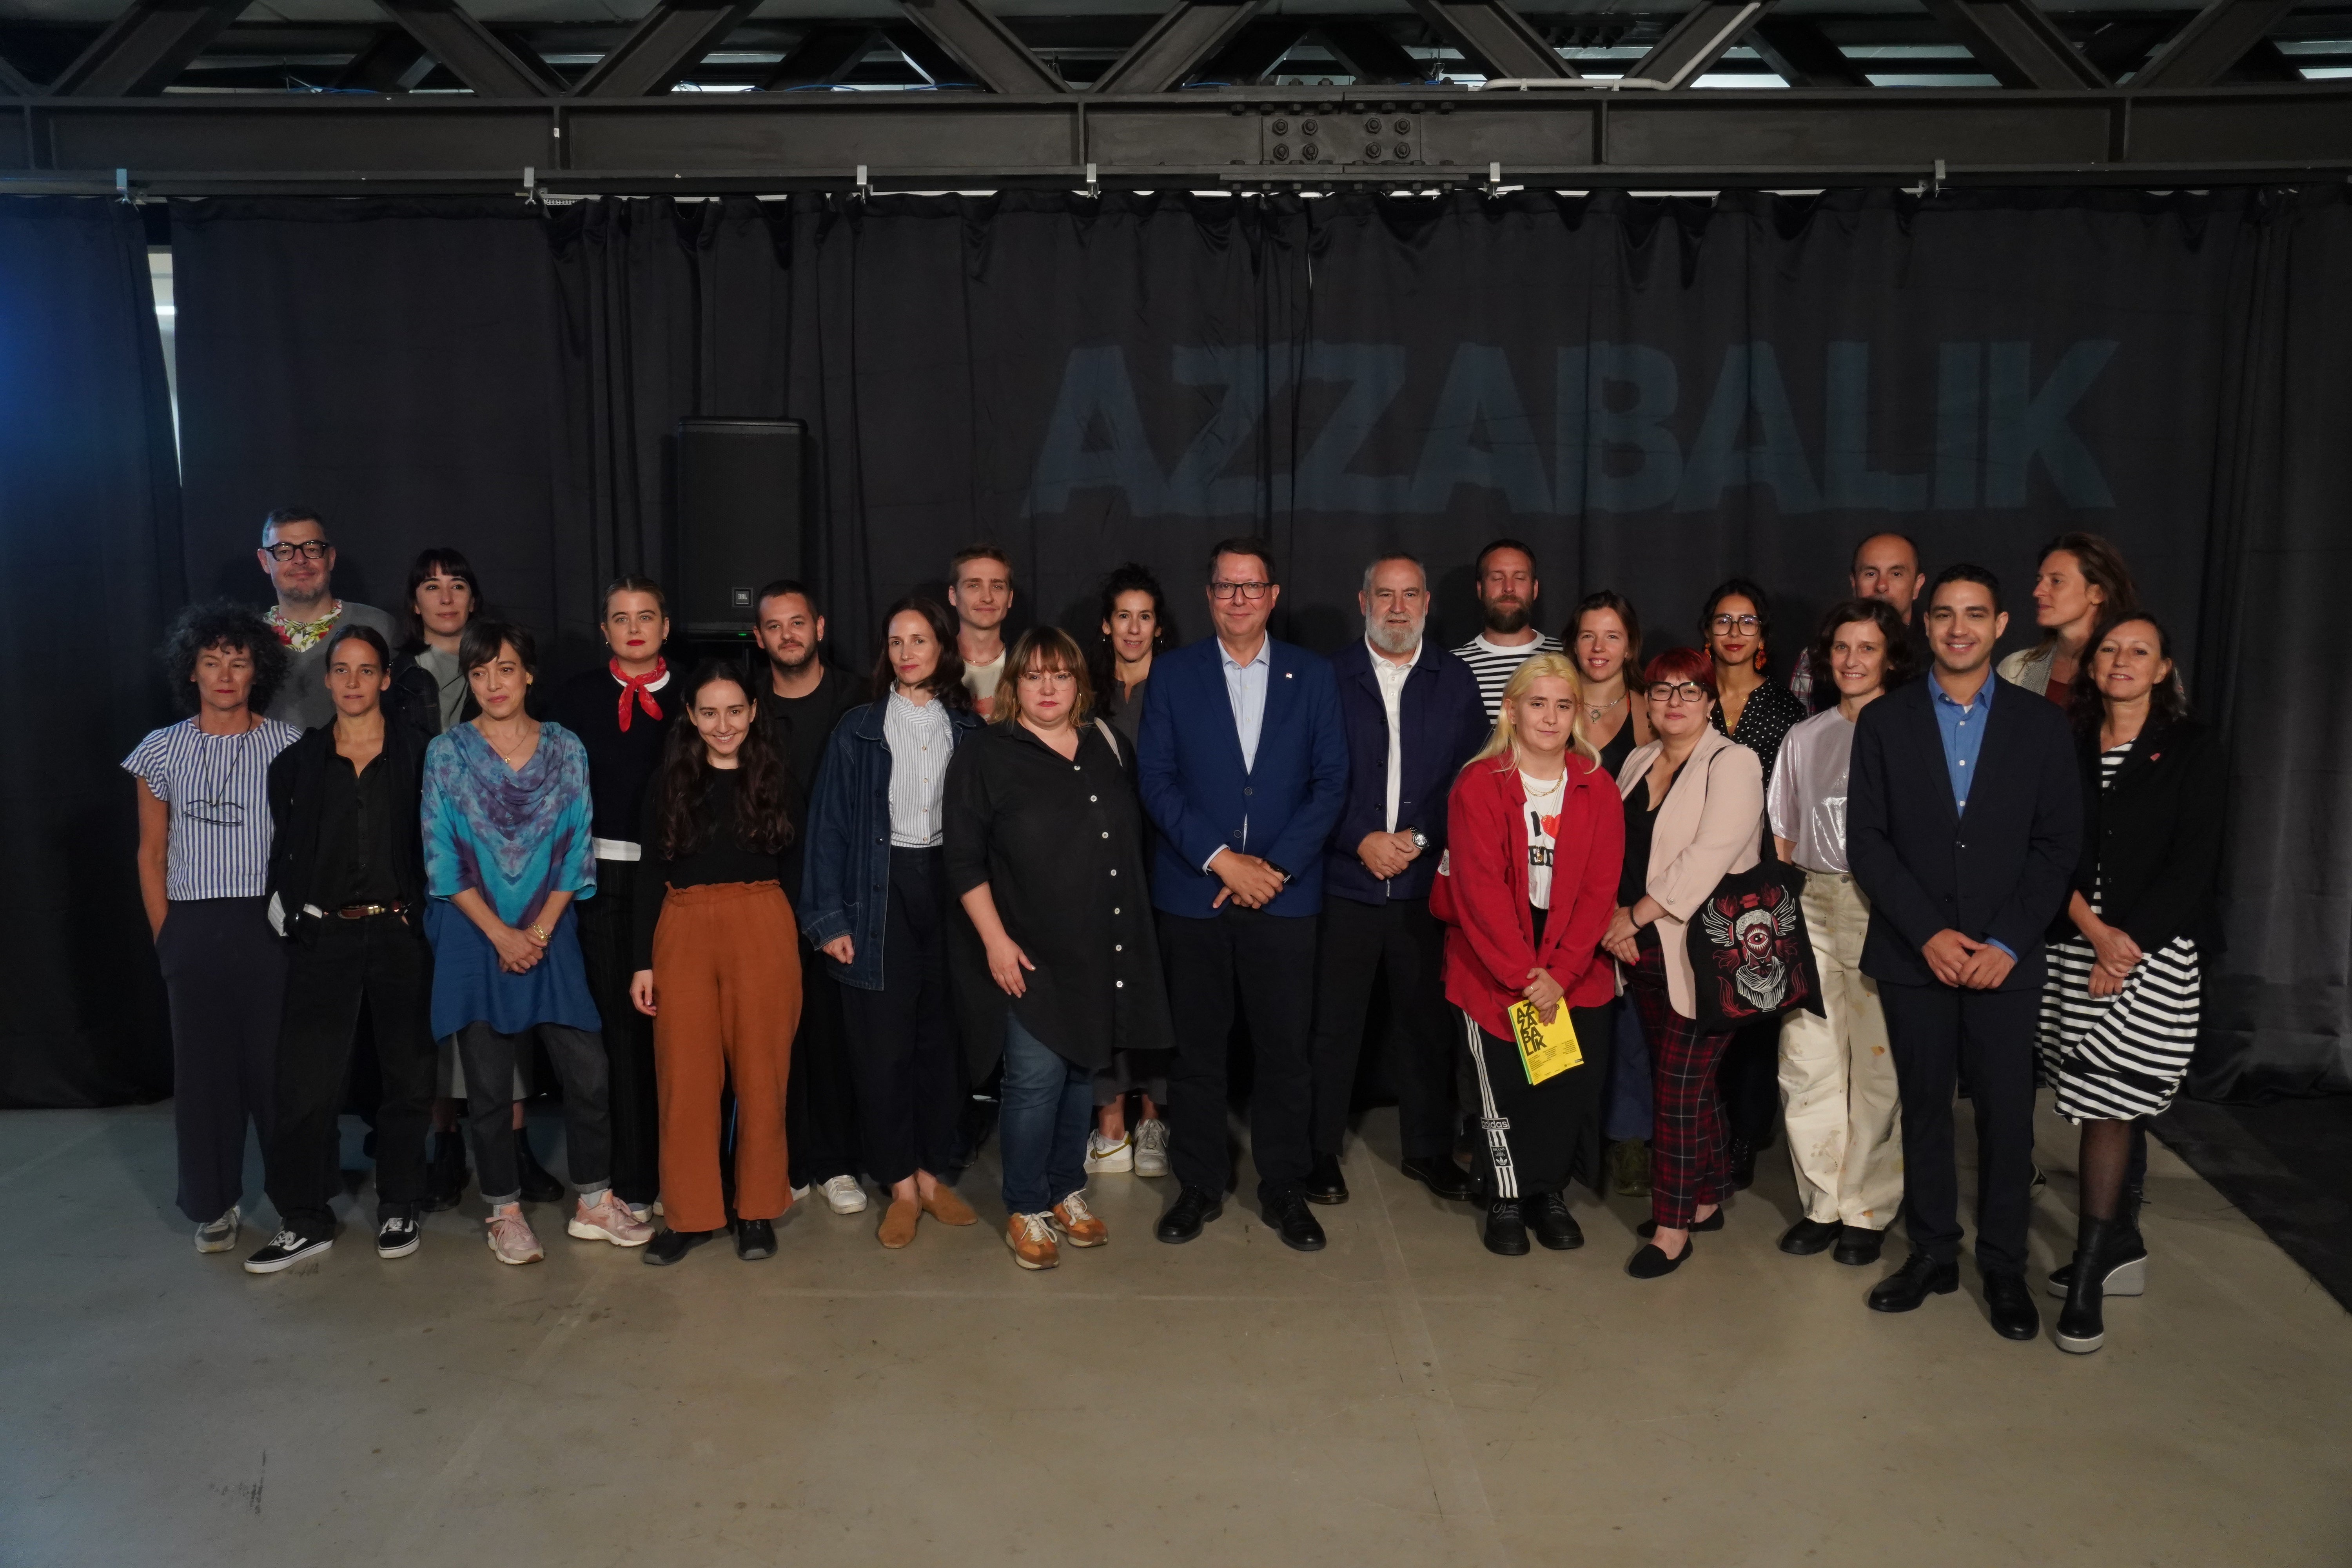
{"type": "Point", "coordinates": [1858, 1247]}
{"type": "Point", "coordinates": [1290, 1218]}
{"type": "Point", "coordinates": [1506, 1234]}
{"type": "Point", "coordinates": [1443, 1178]}
{"type": "Point", "coordinates": [1742, 1158]}
{"type": "Point", "coordinates": [2014, 1315]}
{"type": "Point", "coordinates": [1649, 1227]}
{"type": "Point", "coordinates": [1193, 1207]}
{"type": "Point", "coordinates": [1919, 1278]}
{"type": "Point", "coordinates": [1553, 1226]}
{"type": "Point", "coordinates": [754, 1239]}
{"type": "Point", "coordinates": [668, 1246]}
{"type": "Point", "coordinates": [1808, 1237]}
{"type": "Point", "coordinates": [1325, 1185]}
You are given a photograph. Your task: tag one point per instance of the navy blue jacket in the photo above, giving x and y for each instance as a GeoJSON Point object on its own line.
{"type": "Point", "coordinates": [846, 877]}
{"type": "Point", "coordinates": [1189, 765]}
{"type": "Point", "coordinates": [1442, 722]}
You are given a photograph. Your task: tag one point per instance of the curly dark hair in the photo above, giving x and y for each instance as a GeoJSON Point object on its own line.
{"type": "Point", "coordinates": [1901, 666]}
{"type": "Point", "coordinates": [947, 681]}
{"type": "Point", "coordinates": [1132, 578]}
{"type": "Point", "coordinates": [2167, 702]}
{"type": "Point", "coordinates": [224, 624]}
{"type": "Point", "coordinates": [761, 819]}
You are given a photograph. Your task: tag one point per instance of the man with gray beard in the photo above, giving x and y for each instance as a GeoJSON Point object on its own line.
{"type": "Point", "coordinates": [1412, 716]}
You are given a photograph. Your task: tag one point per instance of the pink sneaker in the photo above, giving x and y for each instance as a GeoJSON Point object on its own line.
{"type": "Point", "coordinates": [608, 1219]}
{"type": "Point", "coordinates": [510, 1237]}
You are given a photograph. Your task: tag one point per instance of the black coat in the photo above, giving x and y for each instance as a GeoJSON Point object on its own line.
{"type": "Point", "coordinates": [2002, 872]}
{"type": "Point", "coordinates": [297, 788]}
{"type": "Point", "coordinates": [1060, 845]}
{"type": "Point", "coordinates": [2154, 836]}
{"type": "Point", "coordinates": [1443, 723]}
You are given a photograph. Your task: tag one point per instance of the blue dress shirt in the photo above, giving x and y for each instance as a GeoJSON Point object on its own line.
{"type": "Point", "coordinates": [1963, 731]}
{"type": "Point", "coordinates": [1246, 689]}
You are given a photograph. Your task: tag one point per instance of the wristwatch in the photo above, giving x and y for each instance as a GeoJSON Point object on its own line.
{"type": "Point", "coordinates": [1420, 839]}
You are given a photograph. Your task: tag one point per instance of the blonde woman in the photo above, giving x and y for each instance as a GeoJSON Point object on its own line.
{"type": "Point", "coordinates": [1534, 838]}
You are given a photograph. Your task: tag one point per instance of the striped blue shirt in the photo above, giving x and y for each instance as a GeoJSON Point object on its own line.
{"type": "Point", "coordinates": [218, 789]}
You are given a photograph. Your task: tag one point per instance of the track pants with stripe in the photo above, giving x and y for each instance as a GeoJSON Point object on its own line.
{"type": "Point", "coordinates": [1532, 1133]}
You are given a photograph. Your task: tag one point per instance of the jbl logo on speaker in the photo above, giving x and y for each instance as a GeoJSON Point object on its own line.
{"type": "Point", "coordinates": [739, 598]}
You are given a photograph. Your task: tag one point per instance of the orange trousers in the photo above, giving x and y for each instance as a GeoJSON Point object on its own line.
{"type": "Point", "coordinates": [727, 997]}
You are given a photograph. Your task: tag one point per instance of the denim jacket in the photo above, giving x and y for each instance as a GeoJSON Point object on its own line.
{"type": "Point", "coordinates": [846, 876]}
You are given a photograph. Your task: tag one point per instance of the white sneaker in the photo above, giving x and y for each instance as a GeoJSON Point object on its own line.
{"type": "Point", "coordinates": [844, 1196]}
{"type": "Point", "coordinates": [1152, 1148]}
{"type": "Point", "coordinates": [1103, 1155]}
{"type": "Point", "coordinates": [512, 1239]}
{"type": "Point", "coordinates": [221, 1233]}
{"type": "Point", "coordinates": [607, 1219]}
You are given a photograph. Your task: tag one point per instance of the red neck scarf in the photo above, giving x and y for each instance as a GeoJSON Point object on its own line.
{"type": "Point", "coordinates": [635, 686]}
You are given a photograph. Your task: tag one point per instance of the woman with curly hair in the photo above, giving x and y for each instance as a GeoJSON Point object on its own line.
{"type": "Point", "coordinates": [717, 964]}
{"type": "Point", "coordinates": [204, 874]}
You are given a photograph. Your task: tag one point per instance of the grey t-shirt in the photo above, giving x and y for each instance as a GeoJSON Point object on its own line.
{"type": "Point", "coordinates": [303, 701]}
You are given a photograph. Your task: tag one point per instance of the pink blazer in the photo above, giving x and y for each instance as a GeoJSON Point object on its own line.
{"type": "Point", "coordinates": [1710, 824]}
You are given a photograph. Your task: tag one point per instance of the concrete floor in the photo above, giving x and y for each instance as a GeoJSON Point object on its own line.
{"type": "Point", "coordinates": [1400, 1398]}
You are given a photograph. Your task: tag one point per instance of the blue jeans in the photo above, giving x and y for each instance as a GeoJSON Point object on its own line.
{"type": "Point", "coordinates": [1627, 1113]}
{"type": "Point", "coordinates": [1043, 1114]}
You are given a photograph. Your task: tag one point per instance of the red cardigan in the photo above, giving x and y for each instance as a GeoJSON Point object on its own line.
{"type": "Point", "coordinates": [1481, 891]}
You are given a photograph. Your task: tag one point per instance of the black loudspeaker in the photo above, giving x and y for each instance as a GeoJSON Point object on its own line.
{"type": "Point", "coordinates": [742, 500]}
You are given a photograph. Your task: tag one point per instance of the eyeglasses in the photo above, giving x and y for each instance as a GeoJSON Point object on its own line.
{"type": "Point", "coordinates": [1735, 624]}
{"type": "Point", "coordinates": [1247, 590]}
{"type": "Point", "coordinates": [1040, 677]}
{"type": "Point", "coordinates": [1677, 691]}
{"type": "Point", "coordinates": [309, 550]}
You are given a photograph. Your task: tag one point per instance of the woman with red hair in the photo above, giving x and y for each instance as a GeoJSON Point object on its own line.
{"type": "Point", "coordinates": [1694, 813]}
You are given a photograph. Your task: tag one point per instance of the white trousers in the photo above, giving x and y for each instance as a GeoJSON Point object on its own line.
{"type": "Point", "coordinates": [1837, 1075]}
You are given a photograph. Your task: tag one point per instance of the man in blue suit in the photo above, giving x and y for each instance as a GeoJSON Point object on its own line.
{"type": "Point", "coordinates": [1413, 716]}
{"type": "Point", "coordinates": [1242, 768]}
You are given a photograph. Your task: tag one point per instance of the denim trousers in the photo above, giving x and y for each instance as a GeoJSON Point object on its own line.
{"type": "Point", "coordinates": [1047, 1104]}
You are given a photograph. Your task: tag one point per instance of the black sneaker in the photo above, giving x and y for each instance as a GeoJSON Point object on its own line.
{"type": "Point", "coordinates": [286, 1250]}
{"type": "Point", "coordinates": [398, 1236]}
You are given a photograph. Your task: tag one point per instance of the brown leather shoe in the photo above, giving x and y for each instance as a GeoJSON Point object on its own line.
{"type": "Point", "coordinates": [1032, 1241]}
{"type": "Point", "coordinates": [1076, 1223]}
{"type": "Point", "coordinates": [897, 1227]}
{"type": "Point", "coordinates": [944, 1206]}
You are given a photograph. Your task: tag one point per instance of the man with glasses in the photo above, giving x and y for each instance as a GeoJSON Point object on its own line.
{"type": "Point", "coordinates": [299, 562]}
{"type": "Point", "coordinates": [1964, 815]}
{"type": "Point", "coordinates": [1885, 567]}
{"type": "Point", "coordinates": [1411, 717]}
{"type": "Point", "coordinates": [1242, 766]}
{"type": "Point", "coordinates": [1504, 579]}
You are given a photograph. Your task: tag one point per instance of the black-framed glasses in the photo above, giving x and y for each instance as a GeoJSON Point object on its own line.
{"type": "Point", "coordinates": [309, 550]}
{"type": "Point", "coordinates": [1677, 691]}
{"type": "Point", "coordinates": [1735, 624]}
{"type": "Point", "coordinates": [1245, 590]}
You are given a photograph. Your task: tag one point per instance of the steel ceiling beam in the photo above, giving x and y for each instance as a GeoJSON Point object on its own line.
{"type": "Point", "coordinates": [2215, 39]}
{"type": "Point", "coordinates": [1803, 54]}
{"type": "Point", "coordinates": [13, 83]}
{"type": "Point", "coordinates": [1368, 53]}
{"type": "Point", "coordinates": [146, 48]}
{"type": "Point", "coordinates": [393, 62]}
{"type": "Point", "coordinates": [1257, 49]}
{"type": "Point", "coordinates": [660, 49]}
{"type": "Point", "coordinates": [1706, 32]}
{"type": "Point", "coordinates": [1180, 42]}
{"type": "Point", "coordinates": [1495, 37]}
{"type": "Point", "coordinates": [825, 56]}
{"type": "Point", "coordinates": [2019, 44]}
{"type": "Point", "coordinates": [997, 59]}
{"type": "Point", "coordinates": [471, 52]}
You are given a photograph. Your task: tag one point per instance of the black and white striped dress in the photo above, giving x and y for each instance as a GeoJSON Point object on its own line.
{"type": "Point", "coordinates": [2116, 1057]}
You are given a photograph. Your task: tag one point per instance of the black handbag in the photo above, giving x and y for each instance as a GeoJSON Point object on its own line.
{"type": "Point", "coordinates": [1752, 958]}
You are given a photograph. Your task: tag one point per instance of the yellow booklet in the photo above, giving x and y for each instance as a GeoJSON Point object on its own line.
{"type": "Point", "coordinates": [1546, 1050]}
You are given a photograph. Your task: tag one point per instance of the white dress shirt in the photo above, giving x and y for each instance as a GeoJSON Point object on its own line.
{"type": "Point", "coordinates": [1392, 677]}
{"type": "Point", "coordinates": [921, 737]}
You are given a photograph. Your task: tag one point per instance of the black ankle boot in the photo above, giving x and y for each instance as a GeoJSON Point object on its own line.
{"type": "Point", "coordinates": [2081, 1326]}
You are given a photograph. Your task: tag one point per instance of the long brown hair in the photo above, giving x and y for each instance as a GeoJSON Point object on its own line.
{"type": "Point", "coordinates": [685, 779]}
{"type": "Point", "coordinates": [946, 679]}
{"type": "Point", "coordinates": [2102, 566]}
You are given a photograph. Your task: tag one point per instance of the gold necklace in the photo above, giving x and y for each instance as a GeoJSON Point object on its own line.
{"type": "Point", "coordinates": [1593, 715]}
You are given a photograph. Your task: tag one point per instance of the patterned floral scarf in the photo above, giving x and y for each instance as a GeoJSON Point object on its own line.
{"type": "Point", "coordinates": [302, 636]}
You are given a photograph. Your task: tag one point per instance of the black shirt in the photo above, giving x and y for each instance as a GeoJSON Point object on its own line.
{"type": "Point", "coordinates": [721, 856]}
{"type": "Point", "coordinates": [355, 853]}
{"type": "Point", "coordinates": [620, 762]}
{"type": "Point", "coordinates": [1641, 816]}
{"type": "Point", "coordinates": [802, 726]}
{"type": "Point", "coordinates": [1771, 711]}
{"type": "Point", "coordinates": [1060, 845]}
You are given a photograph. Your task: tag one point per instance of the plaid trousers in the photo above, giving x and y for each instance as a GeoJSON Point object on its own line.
{"type": "Point", "coordinates": [1687, 1164]}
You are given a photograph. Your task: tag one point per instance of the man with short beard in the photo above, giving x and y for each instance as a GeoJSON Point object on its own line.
{"type": "Point", "coordinates": [801, 702]}
{"type": "Point", "coordinates": [1505, 578]}
{"type": "Point", "coordinates": [1412, 718]}
{"type": "Point", "coordinates": [299, 562]}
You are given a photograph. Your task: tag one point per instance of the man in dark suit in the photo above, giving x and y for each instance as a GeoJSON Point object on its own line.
{"type": "Point", "coordinates": [1241, 766]}
{"type": "Point", "coordinates": [1964, 815]}
{"type": "Point", "coordinates": [1413, 716]}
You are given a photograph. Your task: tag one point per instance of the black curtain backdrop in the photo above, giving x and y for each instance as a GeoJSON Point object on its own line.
{"type": "Point", "coordinates": [89, 540]}
{"type": "Point", "coordinates": [1653, 394]}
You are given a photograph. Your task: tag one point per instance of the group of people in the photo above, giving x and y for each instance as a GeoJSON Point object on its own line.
{"type": "Point", "coordinates": [771, 928]}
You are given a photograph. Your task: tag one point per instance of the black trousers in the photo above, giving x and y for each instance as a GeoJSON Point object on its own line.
{"type": "Point", "coordinates": [1536, 1136]}
{"type": "Point", "coordinates": [225, 983]}
{"type": "Point", "coordinates": [821, 1099]}
{"type": "Point", "coordinates": [1270, 959]}
{"type": "Point", "coordinates": [635, 1100]}
{"type": "Point", "coordinates": [1356, 945]}
{"type": "Point", "coordinates": [903, 1036]}
{"type": "Point", "coordinates": [1747, 1081]}
{"type": "Point", "coordinates": [381, 967]}
{"type": "Point", "coordinates": [1937, 1031]}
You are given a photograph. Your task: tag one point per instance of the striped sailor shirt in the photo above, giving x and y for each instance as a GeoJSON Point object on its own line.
{"type": "Point", "coordinates": [217, 787]}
